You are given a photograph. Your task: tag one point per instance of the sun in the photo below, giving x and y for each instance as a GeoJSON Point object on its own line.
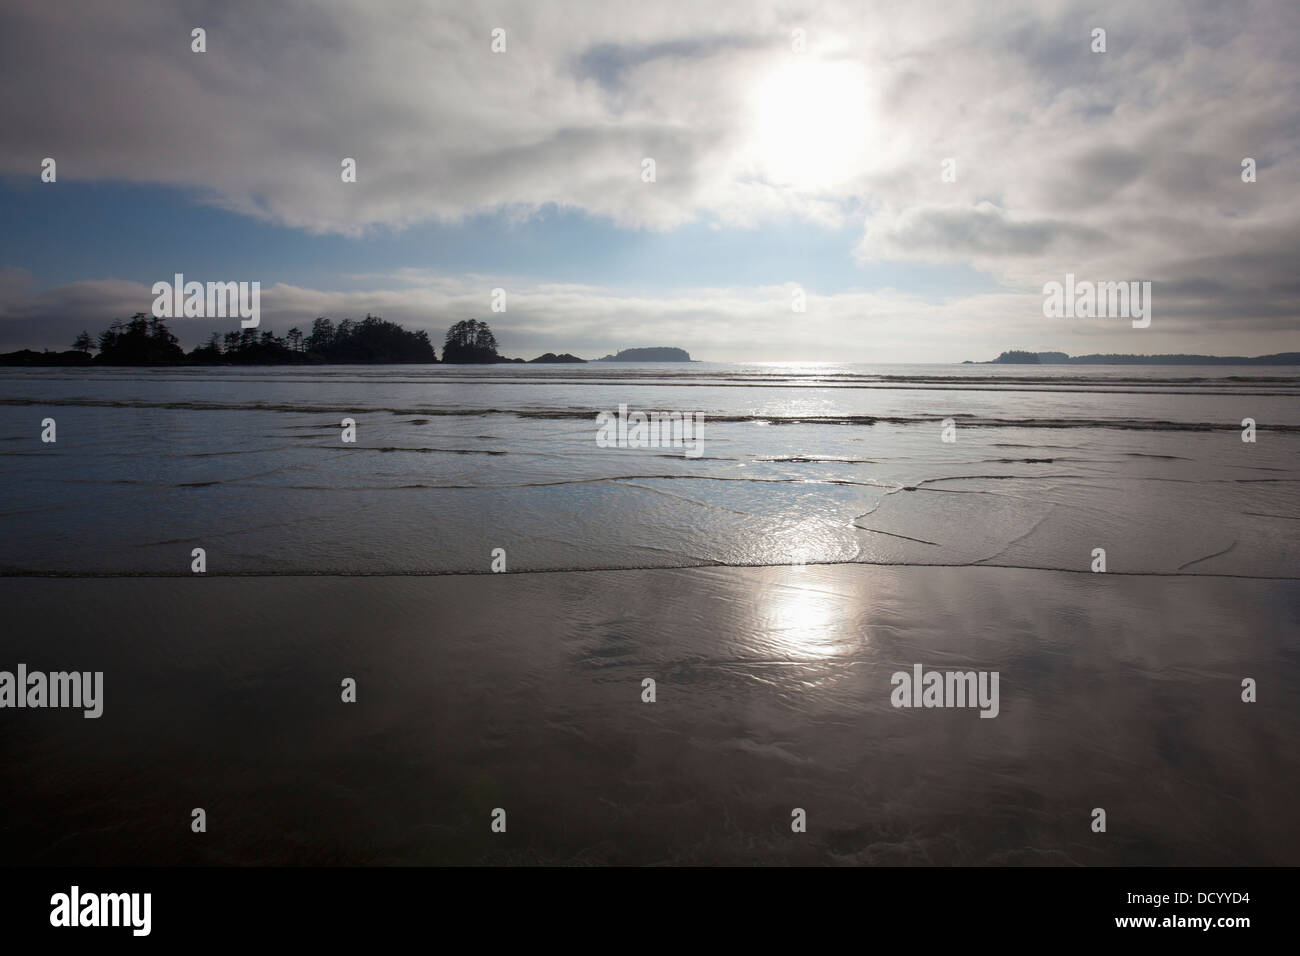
{"type": "Point", "coordinates": [812, 124]}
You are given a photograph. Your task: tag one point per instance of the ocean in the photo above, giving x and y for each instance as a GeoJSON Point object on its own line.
{"type": "Point", "coordinates": [500, 584]}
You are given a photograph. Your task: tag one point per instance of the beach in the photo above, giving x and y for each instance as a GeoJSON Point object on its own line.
{"type": "Point", "coordinates": [827, 540]}
{"type": "Point", "coordinates": [524, 692]}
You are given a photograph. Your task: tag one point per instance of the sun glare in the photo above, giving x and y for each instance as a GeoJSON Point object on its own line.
{"type": "Point", "coordinates": [812, 123]}
{"type": "Point", "coordinates": [805, 621]}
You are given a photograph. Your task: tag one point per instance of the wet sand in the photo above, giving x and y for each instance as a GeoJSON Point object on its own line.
{"type": "Point", "coordinates": [523, 691]}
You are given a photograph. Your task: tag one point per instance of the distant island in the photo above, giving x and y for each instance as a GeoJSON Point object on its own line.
{"type": "Point", "coordinates": [649, 355]}
{"type": "Point", "coordinates": [471, 342]}
{"type": "Point", "coordinates": [147, 341]}
{"type": "Point", "coordinates": [1060, 358]}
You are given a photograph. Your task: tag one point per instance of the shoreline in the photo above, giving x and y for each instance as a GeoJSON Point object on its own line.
{"type": "Point", "coordinates": [524, 692]}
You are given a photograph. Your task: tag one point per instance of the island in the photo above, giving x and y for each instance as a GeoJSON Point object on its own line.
{"type": "Point", "coordinates": [146, 340]}
{"type": "Point", "coordinates": [1017, 357]}
{"type": "Point", "coordinates": [649, 355]}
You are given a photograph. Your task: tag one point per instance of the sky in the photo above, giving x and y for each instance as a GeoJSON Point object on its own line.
{"type": "Point", "coordinates": [867, 182]}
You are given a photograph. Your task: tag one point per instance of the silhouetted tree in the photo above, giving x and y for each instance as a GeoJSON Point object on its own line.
{"type": "Point", "coordinates": [83, 343]}
{"type": "Point", "coordinates": [209, 353]}
{"type": "Point", "coordinates": [375, 340]}
{"type": "Point", "coordinates": [322, 336]}
{"type": "Point", "coordinates": [470, 341]}
{"type": "Point", "coordinates": [111, 334]}
{"type": "Point", "coordinates": [147, 341]}
{"type": "Point", "coordinates": [159, 332]}
{"type": "Point", "coordinates": [141, 341]}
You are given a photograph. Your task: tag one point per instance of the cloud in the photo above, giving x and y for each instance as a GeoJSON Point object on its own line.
{"type": "Point", "coordinates": [982, 232]}
{"type": "Point", "coordinates": [1115, 165]}
{"type": "Point", "coordinates": [719, 324]}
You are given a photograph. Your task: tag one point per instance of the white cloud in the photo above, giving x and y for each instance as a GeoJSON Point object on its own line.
{"type": "Point", "coordinates": [718, 324]}
{"type": "Point", "coordinates": [1117, 165]}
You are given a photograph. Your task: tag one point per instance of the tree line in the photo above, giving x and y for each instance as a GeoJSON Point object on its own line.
{"type": "Point", "coordinates": [146, 340]}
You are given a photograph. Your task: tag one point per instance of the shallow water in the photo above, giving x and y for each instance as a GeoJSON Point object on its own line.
{"type": "Point", "coordinates": [773, 688]}
{"type": "Point", "coordinates": [523, 690]}
{"type": "Point", "coordinates": [450, 463]}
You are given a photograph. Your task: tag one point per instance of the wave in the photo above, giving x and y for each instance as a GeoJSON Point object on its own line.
{"type": "Point", "coordinates": [966, 420]}
{"type": "Point", "coordinates": [711, 377]}
{"type": "Point", "coordinates": [11, 572]}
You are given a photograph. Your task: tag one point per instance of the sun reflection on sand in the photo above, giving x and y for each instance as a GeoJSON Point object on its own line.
{"type": "Point", "coordinates": [804, 621]}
